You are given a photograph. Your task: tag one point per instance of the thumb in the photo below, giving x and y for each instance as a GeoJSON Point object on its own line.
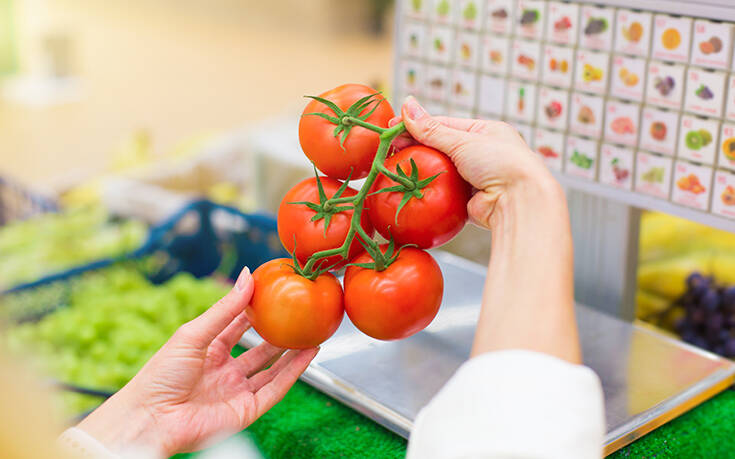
{"type": "Point", "coordinates": [428, 130]}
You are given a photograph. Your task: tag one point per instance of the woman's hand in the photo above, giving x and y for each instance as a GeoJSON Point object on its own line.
{"type": "Point", "coordinates": [192, 392]}
{"type": "Point", "coordinates": [528, 302]}
{"type": "Point", "coordinates": [490, 155]}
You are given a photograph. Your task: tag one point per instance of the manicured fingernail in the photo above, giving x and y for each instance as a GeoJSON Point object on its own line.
{"type": "Point", "coordinates": [242, 279]}
{"type": "Point", "coordinates": [414, 110]}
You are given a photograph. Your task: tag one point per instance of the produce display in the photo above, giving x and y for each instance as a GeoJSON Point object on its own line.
{"type": "Point", "coordinates": [109, 324]}
{"type": "Point", "coordinates": [54, 242]}
{"type": "Point", "coordinates": [414, 198]}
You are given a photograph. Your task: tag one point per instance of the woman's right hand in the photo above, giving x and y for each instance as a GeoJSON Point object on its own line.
{"type": "Point", "coordinates": [490, 155]}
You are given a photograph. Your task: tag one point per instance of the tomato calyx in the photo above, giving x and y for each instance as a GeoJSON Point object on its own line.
{"type": "Point", "coordinates": [345, 120]}
{"type": "Point", "coordinates": [307, 271]}
{"type": "Point", "coordinates": [381, 260]}
{"type": "Point", "coordinates": [410, 186]}
{"type": "Point", "coordinates": [327, 207]}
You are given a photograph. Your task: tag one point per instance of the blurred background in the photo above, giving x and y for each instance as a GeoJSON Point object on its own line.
{"type": "Point", "coordinates": [114, 114]}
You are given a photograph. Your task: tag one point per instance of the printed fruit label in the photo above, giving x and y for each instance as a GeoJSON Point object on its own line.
{"type": "Point", "coordinates": [727, 147]}
{"type": "Point", "coordinates": [521, 101]}
{"type": "Point", "coordinates": [414, 39]}
{"type": "Point", "coordinates": [562, 23]}
{"type": "Point", "coordinates": [723, 194]}
{"type": "Point", "coordinates": [627, 77]}
{"type": "Point", "coordinates": [671, 38]}
{"type": "Point", "coordinates": [462, 90]}
{"type": "Point", "coordinates": [495, 54]}
{"type": "Point", "coordinates": [530, 17]}
{"type": "Point", "coordinates": [622, 122]}
{"type": "Point", "coordinates": [470, 13]}
{"type": "Point", "coordinates": [443, 11]}
{"type": "Point", "coordinates": [698, 139]}
{"type": "Point", "coordinates": [412, 74]}
{"type": "Point", "coordinates": [616, 166]}
{"type": "Point", "coordinates": [632, 32]}
{"type": "Point", "coordinates": [550, 145]}
{"type": "Point", "coordinates": [440, 44]}
{"type": "Point", "coordinates": [659, 130]}
{"type": "Point", "coordinates": [466, 49]}
{"type": "Point", "coordinates": [416, 9]}
{"type": "Point", "coordinates": [705, 92]}
{"type": "Point", "coordinates": [691, 185]}
{"type": "Point", "coordinates": [525, 59]}
{"type": "Point", "coordinates": [712, 44]}
{"type": "Point", "coordinates": [492, 95]}
{"type": "Point", "coordinates": [499, 16]}
{"type": "Point", "coordinates": [437, 83]}
{"type": "Point", "coordinates": [581, 156]}
{"type": "Point", "coordinates": [653, 174]}
{"type": "Point", "coordinates": [665, 84]}
{"type": "Point", "coordinates": [586, 114]}
{"type": "Point", "coordinates": [557, 66]}
{"type": "Point", "coordinates": [553, 108]}
{"type": "Point", "coordinates": [596, 28]}
{"type": "Point", "coordinates": [591, 71]}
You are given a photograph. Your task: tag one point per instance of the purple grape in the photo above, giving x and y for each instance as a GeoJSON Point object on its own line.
{"type": "Point", "coordinates": [695, 279]}
{"type": "Point", "coordinates": [696, 316]}
{"type": "Point", "coordinates": [710, 300]}
{"type": "Point", "coordinates": [729, 348]}
{"type": "Point", "coordinates": [719, 349]}
{"type": "Point", "coordinates": [699, 342]}
{"type": "Point", "coordinates": [715, 321]}
{"type": "Point", "coordinates": [728, 296]}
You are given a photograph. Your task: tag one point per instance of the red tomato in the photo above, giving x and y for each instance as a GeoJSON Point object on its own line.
{"type": "Point", "coordinates": [397, 302]}
{"type": "Point", "coordinates": [294, 222]}
{"type": "Point", "coordinates": [317, 139]}
{"type": "Point", "coordinates": [427, 222]}
{"type": "Point", "coordinates": [291, 311]}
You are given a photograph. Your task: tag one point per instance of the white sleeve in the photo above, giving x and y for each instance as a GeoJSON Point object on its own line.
{"type": "Point", "coordinates": [513, 404]}
{"type": "Point", "coordinates": [77, 443]}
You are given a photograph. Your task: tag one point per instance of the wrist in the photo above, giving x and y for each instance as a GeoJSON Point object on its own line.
{"type": "Point", "coordinates": [534, 198]}
{"type": "Point", "coordinates": [124, 427]}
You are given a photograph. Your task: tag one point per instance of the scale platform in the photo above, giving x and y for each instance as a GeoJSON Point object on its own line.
{"type": "Point", "coordinates": [648, 378]}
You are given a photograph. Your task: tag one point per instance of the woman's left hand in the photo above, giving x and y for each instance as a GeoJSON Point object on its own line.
{"type": "Point", "coordinates": [192, 392]}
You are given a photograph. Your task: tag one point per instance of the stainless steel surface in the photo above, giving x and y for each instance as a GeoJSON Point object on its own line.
{"type": "Point", "coordinates": [605, 236]}
{"type": "Point", "coordinates": [647, 378]}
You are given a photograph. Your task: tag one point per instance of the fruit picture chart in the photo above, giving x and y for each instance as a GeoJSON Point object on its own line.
{"type": "Point", "coordinates": [639, 102]}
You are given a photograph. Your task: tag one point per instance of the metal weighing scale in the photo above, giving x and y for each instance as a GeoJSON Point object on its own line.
{"type": "Point", "coordinates": [445, 57]}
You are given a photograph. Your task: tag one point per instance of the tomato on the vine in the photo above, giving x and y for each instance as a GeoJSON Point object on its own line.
{"type": "Point", "coordinates": [397, 302]}
{"type": "Point", "coordinates": [431, 219]}
{"type": "Point", "coordinates": [295, 223]}
{"type": "Point", "coordinates": [352, 150]}
{"type": "Point", "coordinates": [291, 311]}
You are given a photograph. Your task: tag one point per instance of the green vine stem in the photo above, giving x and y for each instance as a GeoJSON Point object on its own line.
{"type": "Point", "coordinates": [387, 135]}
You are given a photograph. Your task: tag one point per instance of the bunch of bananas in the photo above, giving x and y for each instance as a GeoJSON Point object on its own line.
{"type": "Point", "coordinates": [672, 248]}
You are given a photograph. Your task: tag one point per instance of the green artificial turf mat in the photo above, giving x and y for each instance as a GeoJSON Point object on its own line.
{"type": "Point", "coordinates": [707, 431]}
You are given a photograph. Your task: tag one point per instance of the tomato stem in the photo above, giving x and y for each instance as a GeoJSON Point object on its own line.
{"type": "Point", "coordinates": [354, 121]}
{"type": "Point", "coordinates": [358, 201]}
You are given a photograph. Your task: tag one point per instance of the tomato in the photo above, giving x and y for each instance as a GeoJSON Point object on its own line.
{"type": "Point", "coordinates": [433, 219]}
{"type": "Point", "coordinates": [291, 311]}
{"type": "Point", "coordinates": [319, 143]}
{"type": "Point", "coordinates": [294, 222]}
{"type": "Point", "coordinates": [397, 302]}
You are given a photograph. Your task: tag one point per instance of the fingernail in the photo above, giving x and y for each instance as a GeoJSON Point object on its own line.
{"type": "Point", "coordinates": [414, 110]}
{"type": "Point", "coordinates": [242, 279]}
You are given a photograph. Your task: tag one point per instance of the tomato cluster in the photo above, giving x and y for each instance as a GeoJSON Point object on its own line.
{"type": "Point", "coordinates": [414, 198]}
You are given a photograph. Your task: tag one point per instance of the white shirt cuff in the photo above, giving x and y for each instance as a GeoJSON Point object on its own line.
{"type": "Point", "coordinates": [515, 403]}
{"type": "Point", "coordinates": [78, 443]}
